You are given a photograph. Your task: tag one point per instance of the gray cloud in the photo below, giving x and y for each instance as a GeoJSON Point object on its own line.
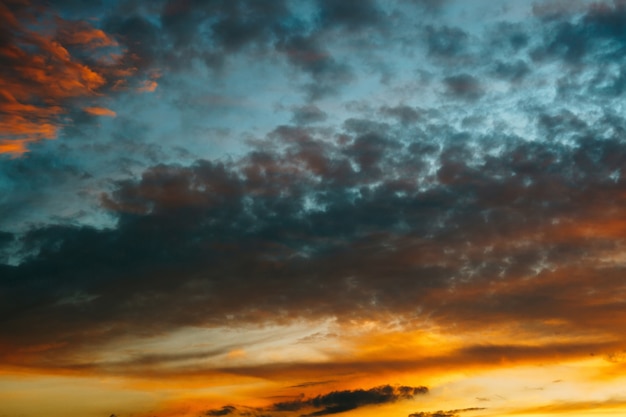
{"type": "Point", "coordinates": [463, 86]}
{"type": "Point", "coordinates": [308, 114]}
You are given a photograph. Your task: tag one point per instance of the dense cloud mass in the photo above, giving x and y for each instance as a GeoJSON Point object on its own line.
{"type": "Point", "coordinates": [358, 227]}
{"type": "Point", "coordinates": [254, 163]}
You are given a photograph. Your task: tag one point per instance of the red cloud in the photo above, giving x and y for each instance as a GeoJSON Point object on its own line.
{"type": "Point", "coordinates": [42, 76]}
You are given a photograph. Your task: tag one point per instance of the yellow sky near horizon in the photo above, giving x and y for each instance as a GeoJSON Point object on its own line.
{"type": "Point", "coordinates": [260, 367]}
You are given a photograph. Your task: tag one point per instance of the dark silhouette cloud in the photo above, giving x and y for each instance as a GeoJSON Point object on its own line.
{"type": "Point", "coordinates": [441, 413]}
{"type": "Point", "coordinates": [224, 411]}
{"type": "Point", "coordinates": [340, 401]}
{"type": "Point", "coordinates": [313, 383]}
{"type": "Point", "coordinates": [331, 403]}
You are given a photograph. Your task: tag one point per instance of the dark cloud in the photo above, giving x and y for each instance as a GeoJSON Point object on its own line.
{"type": "Point", "coordinates": [446, 42]}
{"type": "Point", "coordinates": [513, 71]}
{"type": "Point", "coordinates": [441, 413]}
{"type": "Point", "coordinates": [224, 411]}
{"type": "Point", "coordinates": [306, 53]}
{"type": "Point", "coordinates": [405, 114]}
{"type": "Point", "coordinates": [35, 184]}
{"type": "Point", "coordinates": [214, 32]}
{"type": "Point", "coordinates": [308, 114]}
{"type": "Point", "coordinates": [331, 403]}
{"type": "Point", "coordinates": [353, 14]}
{"type": "Point", "coordinates": [6, 238]}
{"type": "Point", "coordinates": [513, 38]}
{"type": "Point", "coordinates": [598, 34]}
{"type": "Point", "coordinates": [306, 227]}
{"type": "Point", "coordinates": [310, 384]}
{"type": "Point", "coordinates": [464, 86]}
{"type": "Point", "coordinates": [341, 401]}
{"type": "Point", "coordinates": [140, 36]}
{"type": "Point", "coordinates": [432, 6]}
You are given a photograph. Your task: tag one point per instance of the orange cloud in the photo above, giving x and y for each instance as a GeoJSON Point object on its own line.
{"type": "Point", "coordinates": [42, 79]}
{"type": "Point", "coordinates": [100, 111]}
{"type": "Point", "coordinates": [148, 86]}
{"type": "Point", "coordinates": [16, 147]}
{"type": "Point", "coordinates": [84, 35]}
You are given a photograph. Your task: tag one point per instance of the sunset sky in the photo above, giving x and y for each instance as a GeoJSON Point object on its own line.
{"type": "Point", "coordinates": [284, 208]}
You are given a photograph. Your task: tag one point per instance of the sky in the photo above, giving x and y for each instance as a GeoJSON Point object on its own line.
{"type": "Point", "coordinates": [281, 208]}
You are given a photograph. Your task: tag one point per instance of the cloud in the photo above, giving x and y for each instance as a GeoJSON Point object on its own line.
{"type": "Point", "coordinates": [216, 33]}
{"type": "Point", "coordinates": [446, 42]}
{"type": "Point", "coordinates": [441, 413]}
{"type": "Point", "coordinates": [307, 227]}
{"type": "Point", "coordinates": [334, 402]}
{"type": "Point", "coordinates": [595, 35]}
{"type": "Point", "coordinates": [224, 411]}
{"type": "Point", "coordinates": [100, 111]}
{"type": "Point", "coordinates": [310, 384]}
{"type": "Point", "coordinates": [308, 114]}
{"type": "Point", "coordinates": [463, 86]}
{"type": "Point", "coordinates": [398, 211]}
{"type": "Point", "coordinates": [306, 53]}
{"type": "Point", "coordinates": [479, 187]}
{"type": "Point", "coordinates": [46, 72]}
{"type": "Point", "coordinates": [340, 401]}
{"type": "Point", "coordinates": [514, 71]}
{"type": "Point", "coordinates": [353, 14]}
{"type": "Point", "coordinates": [405, 114]}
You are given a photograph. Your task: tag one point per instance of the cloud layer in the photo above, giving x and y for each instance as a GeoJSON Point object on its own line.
{"type": "Point", "coordinates": [257, 164]}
